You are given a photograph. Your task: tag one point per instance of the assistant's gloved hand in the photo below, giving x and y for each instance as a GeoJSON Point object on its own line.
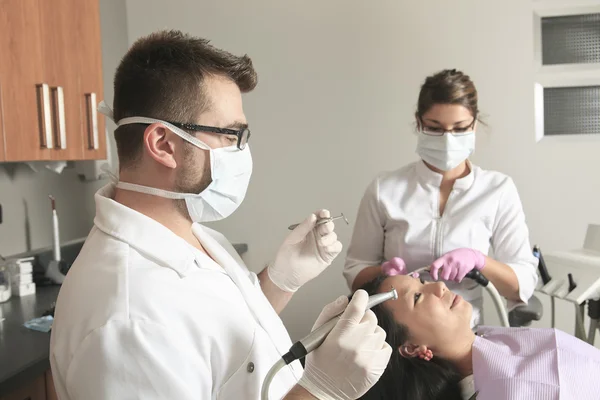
{"type": "Point", "coordinates": [457, 263]}
{"type": "Point", "coordinates": [352, 357]}
{"type": "Point", "coordinates": [395, 266]}
{"type": "Point", "coordinates": [305, 253]}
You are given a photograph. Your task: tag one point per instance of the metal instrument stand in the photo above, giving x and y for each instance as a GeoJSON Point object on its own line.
{"type": "Point", "coordinates": [594, 314]}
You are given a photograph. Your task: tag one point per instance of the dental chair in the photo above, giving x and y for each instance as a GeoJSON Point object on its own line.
{"type": "Point", "coordinates": [524, 314]}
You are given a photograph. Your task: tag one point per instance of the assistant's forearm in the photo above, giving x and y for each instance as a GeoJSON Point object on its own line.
{"type": "Point", "coordinates": [503, 277]}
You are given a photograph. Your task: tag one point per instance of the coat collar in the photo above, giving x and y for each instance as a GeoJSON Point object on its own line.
{"type": "Point", "coordinates": [431, 178]}
{"type": "Point", "coordinates": [146, 235]}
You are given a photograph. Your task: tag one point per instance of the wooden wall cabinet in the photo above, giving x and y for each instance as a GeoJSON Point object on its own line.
{"type": "Point", "coordinates": [50, 80]}
{"type": "Point", "coordinates": [50, 389]}
{"type": "Point", "coordinates": [35, 390]}
{"type": "Point", "coordinates": [40, 388]}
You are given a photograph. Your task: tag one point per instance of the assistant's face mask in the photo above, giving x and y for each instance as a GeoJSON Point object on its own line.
{"type": "Point", "coordinates": [230, 169]}
{"type": "Point", "coordinates": [445, 151]}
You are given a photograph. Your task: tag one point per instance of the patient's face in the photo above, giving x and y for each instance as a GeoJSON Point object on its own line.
{"type": "Point", "coordinates": [435, 316]}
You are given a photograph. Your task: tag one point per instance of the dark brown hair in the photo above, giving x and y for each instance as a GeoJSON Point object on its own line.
{"type": "Point", "coordinates": [409, 378]}
{"type": "Point", "coordinates": [448, 87]}
{"type": "Point", "coordinates": [161, 77]}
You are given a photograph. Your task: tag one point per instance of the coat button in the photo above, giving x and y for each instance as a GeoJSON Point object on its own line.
{"type": "Point", "coordinates": [250, 367]}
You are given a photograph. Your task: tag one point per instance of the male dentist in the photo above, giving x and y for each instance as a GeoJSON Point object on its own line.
{"type": "Point", "coordinates": [158, 306]}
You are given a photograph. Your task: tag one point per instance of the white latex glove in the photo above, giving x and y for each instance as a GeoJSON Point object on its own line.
{"type": "Point", "coordinates": [305, 253]}
{"type": "Point", "coordinates": [353, 356]}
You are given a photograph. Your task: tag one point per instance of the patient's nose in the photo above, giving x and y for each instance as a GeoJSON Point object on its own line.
{"type": "Point", "coordinates": [437, 288]}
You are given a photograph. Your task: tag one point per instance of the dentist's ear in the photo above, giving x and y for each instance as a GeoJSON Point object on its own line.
{"type": "Point", "coordinates": [413, 350]}
{"type": "Point", "coordinates": [160, 144]}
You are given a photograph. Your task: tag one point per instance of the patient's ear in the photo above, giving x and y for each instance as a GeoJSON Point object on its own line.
{"type": "Point", "coordinates": [414, 350]}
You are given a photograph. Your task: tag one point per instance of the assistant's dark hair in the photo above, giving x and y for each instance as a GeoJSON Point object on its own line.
{"type": "Point", "coordinates": [409, 378]}
{"type": "Point", "coordinates": [448, 87]}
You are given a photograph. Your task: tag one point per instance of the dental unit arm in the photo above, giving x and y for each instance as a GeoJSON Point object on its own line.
{"type": "Point", "coordinates": [315, 339]}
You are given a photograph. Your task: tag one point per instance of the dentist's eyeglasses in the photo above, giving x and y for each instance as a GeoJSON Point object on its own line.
{"type": "Point", "coordinates": [243, 134]}
{"type": "Point", "coordinates": [439, 131]}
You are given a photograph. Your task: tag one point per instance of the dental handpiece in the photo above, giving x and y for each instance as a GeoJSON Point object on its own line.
{"type": "Point", "coordinates": [316, 338]}
{"type": "Point", "coordinates": [323, 221]}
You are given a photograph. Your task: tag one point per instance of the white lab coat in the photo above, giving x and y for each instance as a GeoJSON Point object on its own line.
{"type": "Point", "coordinates": [143, 314]}
{"type": "Point", "coordinates": [399, 217]}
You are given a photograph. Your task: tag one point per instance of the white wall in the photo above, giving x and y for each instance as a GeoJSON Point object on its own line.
{"type": "Point", "coordinates": [338, 83]}
{"type": "Point", "coordinates": [24, 193]}
{"type": "Point", "coordinates": [26, 207]}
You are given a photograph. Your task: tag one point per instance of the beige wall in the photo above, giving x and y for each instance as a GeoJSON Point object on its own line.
{"type": "Point", "coordinates": [338, 87]}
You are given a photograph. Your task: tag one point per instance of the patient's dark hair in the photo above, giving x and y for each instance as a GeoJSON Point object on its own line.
{"type": "Point", "coordinates": [410, 378]}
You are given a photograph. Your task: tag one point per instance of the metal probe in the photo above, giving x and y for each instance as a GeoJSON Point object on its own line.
{"type": "Point", "coordinates": [323, 221]}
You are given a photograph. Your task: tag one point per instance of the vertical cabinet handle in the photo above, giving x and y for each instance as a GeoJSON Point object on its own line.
{"type": "Point", "coordinates": [44, 115]}
{"type": "Point", "coordinates": [2, 131]}
{"type": "Point", "coordinates": [59, 117]}
{"type": "Point", "coordinates": [92, 119]}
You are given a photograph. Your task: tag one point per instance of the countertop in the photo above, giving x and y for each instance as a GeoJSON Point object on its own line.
{"type": "Point", "coordinates": [24, 352]}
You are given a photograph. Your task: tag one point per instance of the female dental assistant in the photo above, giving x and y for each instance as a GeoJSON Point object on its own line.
{"type": "Point", "coordinates": [443, 211]}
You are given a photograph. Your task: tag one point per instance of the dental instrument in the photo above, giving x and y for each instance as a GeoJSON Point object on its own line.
{"type": "Point", "coordinates": [579, 309]}
{"type": "Point", "coordinates": [55, 230]}
{"type": "Point", "coordinates": [489, 286]}
{"type": "Point", "coordinates": [314, 339]}
{"type": "Point", "coordinates": [594, 314]}
{"type": "Point", "coordinates": [545, 279]}
{"type": "Point", "coordinates": [541, 265]}
{"type": "Point", "coordinates": [56, 265]}
{"type": "Point", "coordinates": [324, 221]}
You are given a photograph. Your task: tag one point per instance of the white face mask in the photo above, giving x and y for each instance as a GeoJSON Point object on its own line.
{"type": "Point", "coordinates": [230, 168]}
{"type": "Point", "coordinates": [446, 151]}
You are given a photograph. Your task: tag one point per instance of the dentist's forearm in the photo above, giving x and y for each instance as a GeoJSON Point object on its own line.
{"type": "Point", "coordinates": [277, 297]}
{"type": "Point", "coordinates": [503, 278]}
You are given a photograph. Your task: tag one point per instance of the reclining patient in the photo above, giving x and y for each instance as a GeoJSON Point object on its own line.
{"type": "Point", "coordinates": [437, 355]}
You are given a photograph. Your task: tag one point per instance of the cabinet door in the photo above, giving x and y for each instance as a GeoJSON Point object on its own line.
{"type": "Point", "coordinates": [26, 99]}
{"type": "Point", "coordinates": [59, 52]}
{"type": "Point", "coordinates": [50, 389]}
{"type": "Point", "coordinates": [34, 390]}
{"type": "Point", "coordinates": [1, 127]}
{"type": "Point", "coordinates": [90, 79]}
